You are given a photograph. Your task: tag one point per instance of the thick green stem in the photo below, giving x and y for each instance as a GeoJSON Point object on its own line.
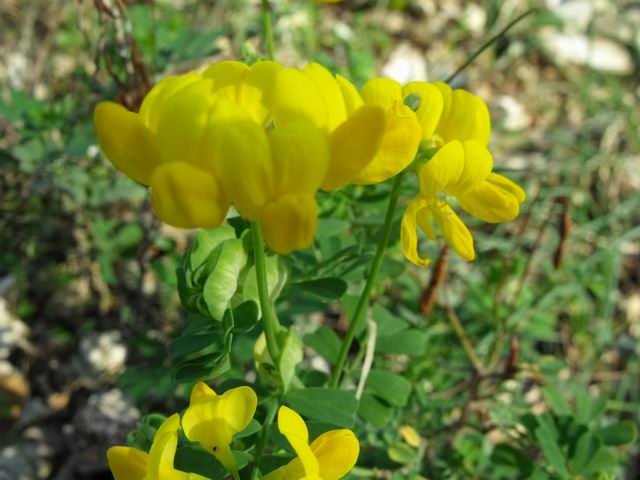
{"type": "Point", "coordinates": [264, 435]}
{"type": "Point", "coordinates": [268, 319]}
{"type": "Point", "coordinates": [363, 302]}
{"type": "Point", "coordinates": [267, 29]}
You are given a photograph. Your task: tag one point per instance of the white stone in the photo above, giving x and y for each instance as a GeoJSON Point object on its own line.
{"type": "Point", "coordinates": [576, 13]}
{"type": "Point", "coordinates": [598, 53]}
{"type": "Point", "coordinates": [516, 116]}
{"type": "Point", "coordinates": [406, 64]}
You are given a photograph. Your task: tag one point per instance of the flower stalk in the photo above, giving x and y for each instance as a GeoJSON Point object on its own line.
{"type": "Point", "coordinates": [363, 302]}
{"type": "Point", "coordinates": [269, 321]}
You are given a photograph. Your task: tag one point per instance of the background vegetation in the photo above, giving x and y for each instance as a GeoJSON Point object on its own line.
{"type": "Point", "coordinates": [523, 364]}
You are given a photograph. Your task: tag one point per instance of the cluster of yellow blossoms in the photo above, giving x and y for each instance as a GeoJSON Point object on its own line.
{"type": "Point", "coordinates": [212, 420]}
{"type": "Point", "coordinates": [264, 138]}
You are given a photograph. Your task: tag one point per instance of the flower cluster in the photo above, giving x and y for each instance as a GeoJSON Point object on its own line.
{"type": "Point", "coordinates": [265, 138]}
{"type": "Point", "coordinates": [212, 420]}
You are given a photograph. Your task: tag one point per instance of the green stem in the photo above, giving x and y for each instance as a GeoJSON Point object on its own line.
{"type": "Point", "coordinates": [363, 302]}
{"type": "Point", "coordinates": [268, 319]}
{"type": "Point", "coordinates": [267, 29]}
{"type": "Point", "coordinates": [264, 435]}
{"type": "Point", "coordinates": [488, 43]}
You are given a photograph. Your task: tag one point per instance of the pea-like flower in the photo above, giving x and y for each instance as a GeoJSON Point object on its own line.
{"type": "Point", "coordinates": [333, 104]}
{"type": "Point", "coordinates": [461, 169]}
{"type": "Point", "coordinates": [167, 147]}
{"type": "Point", "coordinates": [128, 463]}
{"type": "Point", "coordinates": [404, 128]}
{"type": "Point", "coordinates": [213, 420]}
{"type": "Point", "coordinates": [329, 457]}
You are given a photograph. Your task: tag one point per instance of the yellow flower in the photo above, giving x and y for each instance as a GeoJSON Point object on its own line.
{"type": "Point", "coordinates": [128, 463]}
{"type": "Point", "coordinates": [405, 128]}
{"type": "Point", "coordinates": [333, 104]}
{"type": "Point", "coordinates": [201, 143]}
{"type": "Point", "coordinates": [212, 420]}
{"type": "Point", "coordinates": [464, 116]}
{"type": "Point", "coordinates": [329, 457]}
{"type": "Point", "coordinates": [167, 146]}
{"type": "Point", "coordinates": [462, 170]}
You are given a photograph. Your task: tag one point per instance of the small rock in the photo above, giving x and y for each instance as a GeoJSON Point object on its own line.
{"type": "Point", "coordinates": [577, 14]}
{"type": "Point", "coordinates": [515, 116]}
{"type": "Point", "coordinates": [108, 416]}
{"type": "Point", "coordinates": [406, 64]}
{"type": "Point", "coordinates": [14, 333]}
{"type": "Point", "coordinates": [598, 53]}
{"type": "Point", "coordinates": [104, 353]}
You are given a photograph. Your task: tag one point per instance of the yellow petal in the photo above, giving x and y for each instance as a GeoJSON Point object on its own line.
{"type": "Point", "coordinates": [126, 142]}
{"type": "Point", "coordinates": [410, 436]}
{"type": "Point", "coordinates": [283, 473]}
{"type": "Point", "coordinates": [508, 185]}
{"type": "Point", "coordinates": [454, 231]}
{"type": "Point", "coordinates": [430, 107]}
{"type": "Point", "coordinates": [161, 458]}
{"type": "Point", "coordinates": [350, 95]}
{"type": "Point", "coordinates": [165, 89]}
{"type": "Point", "coordinates": [495, 200]}
{"type": "Point", "coordinates": [237, 407]}
{"type": "Point", "coordinates": [331, 94]}
{"type": "Point", "coordinates": [354, 144]}
{"type": "Point", "coordinates": [182, 123]}
{"type": "Point", "coordinates": [409, 234]}
{"type": "Point", "coordinates": [163, 451]}
{"type": "Point", "coordinates": [242, 159]}
{"type": "Point", "coordinates": [383, 91]}
{"type": "Point", "coordinates": [445, 91]}
{"type": "Point", "coordinates": [296, 97]}
{"type": "Point", "coordinates": [399, 145]}
{"type": "Point", "coordinates": [127, 463]}
{"type": "Point", "coordinates": [300, 158]}
{"type": "Point", "coordinates": [203, 422]}
{"type": "Point", "coordinates": [201, 391]}
{"type": "Point", "coordinates": [187, 197]}
{"type": "Point", "coordinates": [337, 453]}
{"type": "Point", "coordinates": [256, 89]}
{"type": "Point", "coordinates": [478, 163]}
{"type": "Point", "coordinates": [294, 429]}
{"type": "Point", "coordinates": [443, 170]}
{"type": "Point", "coordinates": [289, 223]}
{"type": "Point", "coordinates": [466, 119]}
{"type": "Point", "coordinates": [227, 77]}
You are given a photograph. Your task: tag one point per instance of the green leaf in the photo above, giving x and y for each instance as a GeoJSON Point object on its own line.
{"type": "Point", "coordinates": [222, 282]}
{"type": "Point", "coordinates": [186, 345]}
{"type": "Point", "coordinates": [388, 323]}
{"type": "Point", "coordinates": [374, 411]}
{"type": "Point", "coordinates": [548, 439]}
{"type": "Point", "coordinates": [395, 389]}
{"type": "Point", "coordinates": [328, 289]}
{"type": "Point", "coordinates": [291, 355]}
{"type": "Point", "coordinates": [588, 409]}
{"type": "Point", "coordinates": [409, 342]}
{"type": "Point", "coordinates": [195, 459]}
{"type": "Point", "coordinates": [586, 448]}
{"type": "Point", "coordinates": [620, 433]}
{"type": "Point", "coordinates": [207, 366]}
{"type": "Point", "coordinates": [328, 405]}
{"type": "Point", "coordinates": [205, 242]}
{"type": "Point", "coordinates": [325, 342]}
{"type": "Point", "coordinates": [276, 278]}
{"type": "Point", "coordinates": [508, 456]}
{"type": "Point", "coordinates": [402, 453]}
{"type": "Point", "coordinates": [246, 315]}
{"type": "Point", "coordinates": [556, 400]}
{"type": "Point", "coordinates": [604, 461]}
